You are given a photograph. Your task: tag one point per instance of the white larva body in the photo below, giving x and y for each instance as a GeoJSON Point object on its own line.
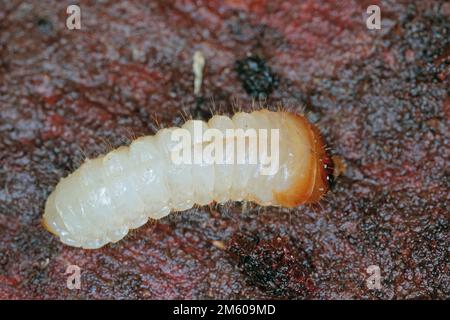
{"type": "Point", "coordinates": [107, 196]}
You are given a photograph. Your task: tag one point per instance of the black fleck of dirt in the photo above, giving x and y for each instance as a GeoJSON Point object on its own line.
{"type": "Point", "coordinates": [45, 26]}
{"type": "Point", "coordinates": [256, 77]}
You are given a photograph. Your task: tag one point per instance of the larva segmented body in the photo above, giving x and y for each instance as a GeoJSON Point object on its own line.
{"type": "Point", "coordinates": [108, 195]}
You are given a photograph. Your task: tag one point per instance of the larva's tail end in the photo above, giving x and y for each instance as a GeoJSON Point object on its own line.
{"type": "Point", "coordinates": [46, 219]}
{"type": "Point", "coordinates": [46, 226]}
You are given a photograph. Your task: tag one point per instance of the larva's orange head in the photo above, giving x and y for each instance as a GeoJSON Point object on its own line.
{"type": "Point", "coordinates": [315, 177]}
{"type": "Point", "coordinates": [324, 168]}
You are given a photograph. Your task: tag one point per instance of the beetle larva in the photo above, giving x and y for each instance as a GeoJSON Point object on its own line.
{"type": "Point", "coordinates": [108, 195]}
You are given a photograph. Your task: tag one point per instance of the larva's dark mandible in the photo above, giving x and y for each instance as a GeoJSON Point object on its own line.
{"type": "Point", "coordinates": [109, 195]}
